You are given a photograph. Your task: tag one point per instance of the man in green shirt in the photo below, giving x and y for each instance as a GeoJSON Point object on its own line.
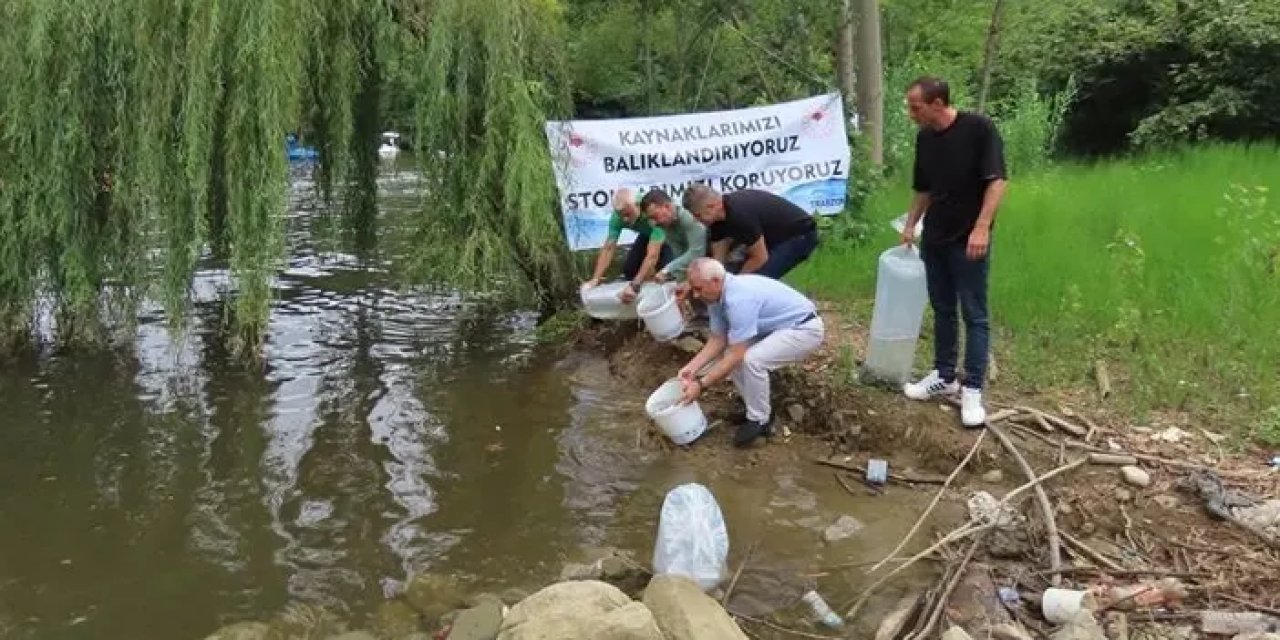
{"type": "Point", "coordinates": [684, 234]}
{"type": "Point", "coordinates": [647, 253]}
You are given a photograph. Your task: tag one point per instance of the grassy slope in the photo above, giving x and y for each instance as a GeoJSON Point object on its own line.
{"type": "Point", "coordinates": [1164, 266]}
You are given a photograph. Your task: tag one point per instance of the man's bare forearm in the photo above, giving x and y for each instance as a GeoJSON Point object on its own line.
{"type": "Point", "coordinates": [991, 202]}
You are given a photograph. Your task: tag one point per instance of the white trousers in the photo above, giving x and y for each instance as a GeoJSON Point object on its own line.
{"type": "Point", "coordinates": [782, 347]}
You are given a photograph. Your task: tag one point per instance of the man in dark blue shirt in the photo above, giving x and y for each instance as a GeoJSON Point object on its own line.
{"type": "Point", "coordinates": [959, 180]}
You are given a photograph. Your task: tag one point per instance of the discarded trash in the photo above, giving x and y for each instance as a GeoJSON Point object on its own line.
{"type": "Point", "coordinates": [692, 538]}
{"type": "Point", "coordinates": [985, 508]}
{"type": "Point", "coordinates": [1229, 623]}
{"type": "Point", "coordinates": [1275, 463]}
{"type": "Point", "coordinates": [1060, 605]}
{"type": "Point", "coordinates": [1009, 596]}
{"type": "Point", "coordinates": [1143, 595]}
{"type": "Point", "coordinates": [821, 610]}
{"type": "Point", "coordinates": [877, 471]}
{"type": "Point", "coordinates": [1218, 500]}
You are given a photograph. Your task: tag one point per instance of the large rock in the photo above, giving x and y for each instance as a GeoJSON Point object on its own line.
{"type": "Point", "coordinates": [564, 611]}
{"type": "Point", "coordinates": [481, 622]}
{"type": "Point", "coordinates": [684, 612]}
{"type": "Point", "coordinates": [241, 631]}
{"type": "Point", "coordinates": [631, 622]}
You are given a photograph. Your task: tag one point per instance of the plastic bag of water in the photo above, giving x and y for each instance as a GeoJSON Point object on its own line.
{"type": "Point", "coordinates": [692, 539]}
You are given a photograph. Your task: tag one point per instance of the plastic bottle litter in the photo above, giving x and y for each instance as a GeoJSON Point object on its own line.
{"type": "Point", "coordinates": [692, 539]}
{"type": "Point", "coordinates": [877, 471]}
{"type": "Point", "coordinates": [822, 610]}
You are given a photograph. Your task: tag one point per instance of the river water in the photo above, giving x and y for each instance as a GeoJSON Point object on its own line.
{"type": "Point", "coordinates": [163, 490]}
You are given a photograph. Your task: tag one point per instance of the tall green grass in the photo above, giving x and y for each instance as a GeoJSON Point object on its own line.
{"type": "Point", "coordinates": [1166, 267]}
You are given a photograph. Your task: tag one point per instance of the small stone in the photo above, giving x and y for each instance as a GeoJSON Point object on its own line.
{"type": "Point", "coordinates": [395, 618]}
{"type": "Point", "coordinates": [689, 344]}
{"type": "Point", "coordinates": [614, 567]}
{"type": "Point", "coordinates": [993, 476]}
{"type": "Point", "coordinates": [796, 412]}
{"type": "Point", "coordinates": [432, 594]}
{"type": "Point", "coordinates": [1124, 495]}
{"type": "Point", "coordinates": [1135, 476]}
{"type": "Point", "coordinates": [843, 528]}
{"type": "Point", "coordinates": [576, 571]}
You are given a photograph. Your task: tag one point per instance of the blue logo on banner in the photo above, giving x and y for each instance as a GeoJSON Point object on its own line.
{"type": "Point", "coordinates": [825, 196]}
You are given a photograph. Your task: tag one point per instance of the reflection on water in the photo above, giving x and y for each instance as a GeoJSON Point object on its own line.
{"type": "Point", "coordinates": [168, 489]}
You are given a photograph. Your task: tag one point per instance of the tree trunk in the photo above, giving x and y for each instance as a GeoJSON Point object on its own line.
{"type": "Point", "coordinates": [871, 78]}
{"type": "Point", "coordinates": [989, 54]}
{"type": "Point", "coordinates": [845, 76]}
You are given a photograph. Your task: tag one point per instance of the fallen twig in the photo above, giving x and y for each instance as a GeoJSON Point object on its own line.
{"type": "Point", "coordinates": [977, 444]}
{"type": "Point", "coordinates": [1046, 509]}
{"type": "Point", "coordinates": [742, 565]}
{"type": "Point", "coordinates": [1117, 459]}
{"type": "Point", "coordinates": [892, 476]}
{"type": "Point", "coordinates": [935, 612]}
{"type": "Point", "coordinates": [1131, 573]}
{"type": "Point", "coordinates": [778, 627]}
{"type": "Point", "coordinates": [1256, 607]}
{"type": "Point", "coordinates": [844, 484]}
{"type": "Point", "coordinates": [1074, 429]}
{"type": "Point", "coordinates": [1091, 554]}
{"type": "Point", "coordinates": [963, 530]}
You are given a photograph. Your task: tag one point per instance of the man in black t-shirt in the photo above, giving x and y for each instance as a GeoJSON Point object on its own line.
{"type": "Point", "coordinates": [776, 234]}
{"type": "Point", "coordinates": [959, 181]}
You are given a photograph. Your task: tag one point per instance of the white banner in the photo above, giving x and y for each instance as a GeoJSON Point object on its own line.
{"type": "Point", "coordinates": [797, 150]}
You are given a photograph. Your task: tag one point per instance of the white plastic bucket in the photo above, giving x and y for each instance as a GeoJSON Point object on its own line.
{"type": "Point", "coordinates": [661, 315]}
{"type": "Point", "coordinates": [602, 302]}
{"type": "Point", "coordinates": [682, 424]}
{"type": "Point", "coordinates": [1060, 605]}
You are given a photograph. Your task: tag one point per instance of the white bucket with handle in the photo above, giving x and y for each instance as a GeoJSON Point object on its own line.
{"type": "Point", "coordinates": [682, 424]}
{"type": "Point", "coordinates": [604, 302]}
{"type": "Point", "coordinates": [660, 312]}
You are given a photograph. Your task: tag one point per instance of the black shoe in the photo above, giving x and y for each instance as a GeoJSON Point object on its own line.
{"type": "Point", "coordinates": [748, 431]}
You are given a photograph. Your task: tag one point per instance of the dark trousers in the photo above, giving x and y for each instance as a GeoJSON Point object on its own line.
{"type": "Point", "coordinates": [785, 255]}
{"type": "Point", "coordinates": [956, 281]}
{"type": "Point", "coordinates": [635, 257]}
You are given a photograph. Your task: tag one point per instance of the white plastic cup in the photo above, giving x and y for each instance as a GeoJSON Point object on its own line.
{"type": "Point", "coordinates": [821, 610]}
{"type": "Point", "coordinates": [1061, 605]}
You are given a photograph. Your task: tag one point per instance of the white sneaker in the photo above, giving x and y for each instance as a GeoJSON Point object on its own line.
{"type": "Point", "coordinates": [931, 386]}
{"type": "Point", "coordinates": [971, 412]}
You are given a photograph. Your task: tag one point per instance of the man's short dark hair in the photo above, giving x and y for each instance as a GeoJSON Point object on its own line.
{"type": "Point", "coordinates": [652, 197]}
{"type": "Point", "coordinates": [932, 88]}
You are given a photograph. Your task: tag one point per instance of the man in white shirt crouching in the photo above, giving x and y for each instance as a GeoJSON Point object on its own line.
{"type": "Point", "coordinates": [758, 324]}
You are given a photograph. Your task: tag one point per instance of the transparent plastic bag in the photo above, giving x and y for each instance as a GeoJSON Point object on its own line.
{"type": "Point", "coordinates": [692, 539]}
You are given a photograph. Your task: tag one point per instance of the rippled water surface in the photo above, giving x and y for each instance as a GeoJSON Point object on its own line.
{"type": "Point", "coordinates": [162, 491]}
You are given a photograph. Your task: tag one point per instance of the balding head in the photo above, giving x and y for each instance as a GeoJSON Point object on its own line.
{"type": "Point", "coordinates": [624, 202]}
{"type": "Point", "coordinates": [706, 279]}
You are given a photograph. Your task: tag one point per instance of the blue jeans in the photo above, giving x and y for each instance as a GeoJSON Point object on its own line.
{"type": "Point", "coordinates": [952, 277]}
{"type": "Point", "coordinates": [785, 255]}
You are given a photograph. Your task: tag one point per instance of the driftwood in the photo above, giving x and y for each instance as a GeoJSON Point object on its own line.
{"type": "Point", "coordinates": [1046, 509]}
{"type": "Point", "coordinates": [977, 444]}
{"type": "Point", "coordinates": [933, 613]}
{"type": "Point", "coordinates": [737, 574]}
{"type": "Point", "coordinates": [1061, 423]}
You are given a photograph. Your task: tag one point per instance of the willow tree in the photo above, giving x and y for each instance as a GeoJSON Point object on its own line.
{"type": "Point", "coordinates": [138, 137]}
{"type": "Point", "coordinates": [493, 72]}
